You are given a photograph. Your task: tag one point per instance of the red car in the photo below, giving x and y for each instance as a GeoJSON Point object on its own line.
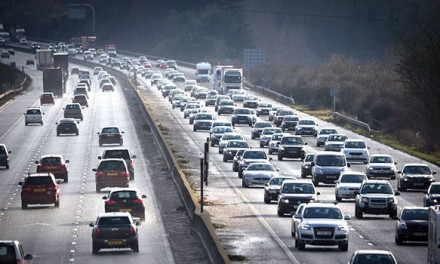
{"type": "Point", "coordinates": [30, 61]}
{"type": "Point", "coordinates": [147, 65]}
{"type": "Point", "coordinates": [163, 65]}
{"type": "Point", "coordinates": [47, 98]}
{"type": "Point", "coordinates": [108, 86]}
{"type": "Point", "coordinates": [39, 188]}
{"type": "Point", "coordinates": [111, 173]}
{"type": "Point", "coordinates": [54, 164]}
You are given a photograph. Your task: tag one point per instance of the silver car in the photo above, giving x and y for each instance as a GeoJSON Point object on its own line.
{"type": "Point", "coordinates": [274, 142]}
{"type": "Point", "coordinates": [225, 139]}
{"type": "Point", "coordinates": [266, 135]}
{"type": "Point", "coordinates": [306, 127]}
{"type": "Point", "coordinates": [355, 150]}
{"type": "Point", "coordinates": [348, 183]}
{"type": "Point", "coordinates": [335, 142]}
{"type": "Point", "coordinates": [258, 174]}
{"type": "Point", "coordinates": [323, 135]}
{"type": "Point", "coordinates": [33, 115]}
{"type": "Point", "coordinates": [381, 165]}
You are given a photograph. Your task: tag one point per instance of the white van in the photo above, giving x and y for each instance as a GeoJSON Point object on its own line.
{"type": "Point", "coordinates": [203, 70]}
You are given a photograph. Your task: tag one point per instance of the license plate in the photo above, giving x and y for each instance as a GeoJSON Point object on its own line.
{"type": "Point", "coordinates": [112, 174]}
{"type": "Point", "coordinates": [39, 190]}
{"type": "Point", "coordinates": [419, 184]}
{"type": "Point", "coordinates": [52, 167]}
{"type": "Point", "coordinates": [331, 177]}
{"type": "Point", "coordinates": [67, 128]}
{"type": "Point", "coordinates": [324, 233]}
{"type": "Point", "coordinates": [420, 234]}
{"type": "Point", "coordinates": [125, 210]}
{"type": "Point", "coordinates": [378, 206]}
{"type": "Point", "coordinates": [111, 135]}
{"type": "Point", "coordinates": [115, 242]}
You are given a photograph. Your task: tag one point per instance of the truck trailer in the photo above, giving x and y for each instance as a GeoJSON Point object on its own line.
{"type": "Point", "coordinates": [434, 235]}
{"type": "Point", "coordinates": [44, 59]}
{"type": "Point", "coordinates": [61, 60]}
{"type": "Point", "coordinates": [53, 81]}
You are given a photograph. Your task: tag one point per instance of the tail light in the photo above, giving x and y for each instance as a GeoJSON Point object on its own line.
{"type": "Point", "coordinates": [74, 101]}
{"type": "Point", "coordinates": [40, 166]}
{"type": "Point", "coordinates": [110, 202]}
{"type": "Point", "coordinates": [96, 231]}
{"type": "Point", "coordinates": [63, 166]}
{"type": "Point", "coordinates": [133, 231]}
{"type": "Point", "coordinates": [53, 188]}
{"type": "Point", "coordinates": [7, 155]}
{"type": "Point", "coordinates": [27, 188]}
{"type": "Point", "coordinates": [19, 261]}
{"type": "Point", "coordinates": [100, 174]}
{"type": "Point", "coordinates": [138, 201]}
{"type": "Point", "coordinates": [131, 164]}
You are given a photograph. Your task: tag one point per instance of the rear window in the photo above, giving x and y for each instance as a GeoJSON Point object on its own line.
{"type": "Point", "coordinates": [110, 130]}
{"type": "Point", "coordinates": [7, 254]}
{"type": "Point", "coordinates": [38, 180]}
{"type": "Point", "coordinates": [124, 195]}
{"type": "Point", "coordinates": [51, 160]}
{"type": "Point", "coordinates": [114, 221]}
{"type": "Point", "coordinates": [33, 112]}
{"type": "Point", "coordinates": [111, 165]}
{"type": "Point", "coordinates": [71, 106]}
{"type": "Point", "coordinates": [116, 154]}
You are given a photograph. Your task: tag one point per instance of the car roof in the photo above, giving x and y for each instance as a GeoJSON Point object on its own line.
{"type": "Point", "coordinates": [330, 153]}
{"type": "Point", "coordinates": [373, 251]}
{"type": "Point", "coordinates": [43, 174]}
{"type": "Point", "coordinates": [294, 180]}
{"type": "Point", "coordinates": [331, 205]}
{"type": "Point", "coordinates": [415, 164]}
{"type": "Point", "coordinates": [377, 181]}
{"type": "Point", "coordinates": [52, 156]}
{"type": "Point", "coordinates": [380, 155]}
{"type": "Point", "coordinates": [414, 207]}
{"type": "Point", "coordinates": [354, 140]}
{"type": "Point", "coordinates": [123, 190]}
{"type": "Point", "coordinates": [67, 120]}
{"type": "Point", "coordinates": [353, 172]}
{"type": "Point", "coordinates": [116, 148]}
{"type": "Point", "coordinates": [111, 214]}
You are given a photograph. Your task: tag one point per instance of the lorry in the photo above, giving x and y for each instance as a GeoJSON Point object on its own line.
{"type": "Point", "coordinates": [202, 71]}
{"type": "Point", "coordinates": [111, 50]}
{"type": "Point", "coordinates": [434, 234]}
{"type": "Point", "coordinates": [44, 59]}
{"type": "Point", "coordinates": [232, 78]}
{"type": "Point", "coordinates": [53, 81]}
{"type": "Point", "coordinates": [88, 42]}
{"type": "Point", "coordinates": [61, 60]}
{"type": "Point", "coordinates": [217, 77]}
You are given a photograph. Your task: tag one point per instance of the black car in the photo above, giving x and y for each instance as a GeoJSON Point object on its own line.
{"type": "Point", "coordinates": [415, 176]}
{"type": "Point", "coordinates": [67, 126]}
{"type": "Point", "coordinates": [293, 193]}
{"type": "Point", "coordinates": [110, 135]}
{"type": "Point", "coordinates": [272, 188]}
{"type": "Point", "coordinates": [291, 147]}
{"type": "Point", "coordinates": [412, 225]}
{"type": "Point", "coordinates": [115, 230]}
{"type": "Point", "coordinates": [81, 99]}
{"type": "Point", "coordinates": [306, 167]}
{"type": "Point", "coordinates": [125, 200]}
{"type": "Point", "coordinates": [4, 156]}
{"type": "Point", "coordinates": [289, 123]}
{"type": "Point", "coordinates": [432, 195]}
{"type": "Point", "coordinates": [121, 153]}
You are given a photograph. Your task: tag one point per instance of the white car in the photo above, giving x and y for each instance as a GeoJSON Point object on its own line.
{"type": "Point", "coordinates": [33, 115]}
{"type": "Point", "coordinates": [335, 142]}
{"type": "Point", "coordinates": [323, 135]}
{"type": "Point", "coordinates": [238, 95]}
{"type": "Point", "coordinates": [266, 135]}
{"type": "Point", "coordinates": [348, 183]}
{"type": "Point", "coordinates": [381, 165]}
{"type": "Point", "coordinates": [258, 174]}
{"type": "Point", "coordinates": [356, 150]}
{"type": "Point", "coordinates": [322, 224]}
{"type": "Point", "coordinates": [225, 139]}
{"type": "Point", "coordinates": [306, 127]}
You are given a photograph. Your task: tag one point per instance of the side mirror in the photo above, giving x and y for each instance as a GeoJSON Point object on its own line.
{"type": "Point", "coordinates": [144, 196]}
{"type": "Point", "coordinates": [94, 170]}
{"type": "Point", "coordinates": [134, 157]}
{"type": "Point", "coordinates": [56, 123]}
{"type": "Point", "coordinates": [348, 165]}
{"type": "Point", "coordinates": [397, 193]}
{"type": "Point", "coordinates": [395, 163]}
{"type": "Point", "coordinates": [318, 193]}
{"type": "Point", "coordinates": [400, 172]}
{"type": "Point", "coordinates": [91, 225]}
{"type": "Point", "coordinates": [104, 198]}
{"type": "Point", "coordinates": [297, 216]}
{"type": "Point", "coordinates": [20, 183]}
{"type": "Point", "coordinates": [368, 147]}
{"type": "Point", "coordinates": [9, 152]}
{"type": "Point", "coordinates": [337, 181]}
{"type": "Point", "coordinates": [306, 143]}
{"type": "Point", "coordinates": [278, 169]}
{"type": "Point", "coordinates": [347, 217]}
{"type": "Point", "coordinates": [59, 181]}
{"type": "Point", "coordinates": [28, 257]}
{"type": "Point", "coordinates": [37, 162]}
{"type": "Point", "coordinates": [270, 158]}
{"type": "Point", "coordinates": [97, 133]}
{"type": "Point", "coordinates": [356, 192]}
{"type": "Point", "coordinates": [67, 161]}
{"type": "Point", "coordinates": [434, 172]}
{"type": "Point", "coordinates": [138, 223]}
{"type": "Point", "coordinates": [312, 163]}
{"type": "Point", "coordinates": [99, 157]}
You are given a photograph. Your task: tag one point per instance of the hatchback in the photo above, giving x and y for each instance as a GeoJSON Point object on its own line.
{"type": "Point", "coordinates": [111, 173]}
{"type": "Point", "coordinates": [39, 188]}
{"type": "Point", "coordinates": [54, 164]}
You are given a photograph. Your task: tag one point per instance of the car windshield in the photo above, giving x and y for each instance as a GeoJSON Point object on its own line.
{"type": "Point", "coordinates": [50, 160]}
{"type": "Point", "coordinates": [203, 116]}
{"type": "Point", "coordinates": [270, 131]}
{"type": "Point", "coordinates": [38, 180]}
{"type": "Point", "coordinates": [261, 167]}
{"type": "Point", "coordinates": [309, 158]}
{"type": "Point", "coordinates": [237, 144]}
{"type": "Point", "coordinates": [306, 122]}
{"type": "Point", "coordinates": [330, 160]}
{"type": "Point", "coordinates": [227, 124]}
{"type": "Point", "coordinates": [290, 118]}
{"type": "Point", "coordinates": [415, 214]}
{"type": "Point", "coordinates": [337, 138]}
{"type": "Point", "coordinates": [435, 189]}
{"type": "Point", "coordinates": [221, 130]}
{"type": "Point", "coordinates": [276, 137]}
{"type": "Point", "coordinates": [114, 221]}
{"type": "Point", "coordinates": [212, 96]}
{"type": "Point", "coordinates": [193, 106]}
{"type": "Point", "coordinates": [116, 153]}
{"type": "Point", "coordinates": [110, 130]}
{"type": "Point", "coordinates": [252, 98]}
{"type": "Point", "coordinates": [332, 213]}
{"type": "Point", "coordinates": [72, 106]}
{"type": "Point", "coordinates": [230, 137]}
{"type": "Point", "coordinates": [111, 165]}
{"type": "Point", "coordinates": [202, 90]}
{"type": "Point", "coordinates": [123, 195]}
{"type": "Point", "coordinates": [262, 125]}
{"type": "Point", "coordinates": [376, 188]}
{"type": "Point", "coordinates": [291, 141]}
{"type": "Point", "coordinates": [355, 144]}
{"type": "Point", "coordinates": [352, 178]}
{"type": "Point", "coordinates": [373, 258]}
{"type": "Point", "coordinates": [228, 102]}
{"type": "Point", "coordinates": [242, 112]}
{"type": "Point", "coordinates": [264, 105]}
{"type": "Point", "coordinates": [277, 181]}
{"type": "Point", "coordinates": [298, 188]}
{"type": "Point", "coordinates": [328, 131]}
{"type": "Point", "coordinates": [254, 155]}
{"type": "Point", "coordinates": [417, 170]}
{"type": "Point", "coordinates": [381, 159]}
{"type": "Point", "coordinates": [283, 113]}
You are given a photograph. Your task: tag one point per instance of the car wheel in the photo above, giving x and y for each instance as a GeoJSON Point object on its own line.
{"type": "Point", "coordinates": [393, 177]}
{"type": "Point", "coordinates": [98, 189]}
{"type": "Point", "coordinates": [240, 174]}
{"type": "Point", "coordinates": [343, 247]}
{"type": "Point", "coordinates": [100, 143]}
{"type": "Point", "coordinates": [252, 137]}
{"type": "Point", "coordinates": [77, 133]}
{"type": "Point", "coordinates": [131, 176]}
{"type": "Point", "coordinates": [398, 240]}
{"type": "Point", "coordinates": [136, 247]}
{"type": "Point", "coordinates": [318, 145]}
{"type": "Point", "coordinates": [303, 175]}
{"type": "Point", "coordinates": [266, 199]}
{"type": "Point", "coordinates": [66, 178]}
{"type": "Point", "coordinates": [301, 246]}
{"type": "Point", "coordinates": [57, 203]}
{"type": "Point", "coordinates": [315, 182]}
{"type": "Point", "coordinates": [24, 205]}
{"type": "Point", "coordinates": [7, 165]}
{"type": "Point", "coordinates": [393, 214]}
{"type": "Point", "coordinates": [280, 213]}
{"type": "Point", "coordinates": [338, 198]}
{"type": "Point", "coordinates": [25, 123]}
{"type": "Point", "coordinates": [261, 145]}
{"type": "Point", "coordinates": [270, 151]}
{"type": "Point", "coordinates": [243, 184]}
{"type": "Point", "coordinates": [358, 213]}
{"type": "Point", "coordinates": [225, 159]}
{"type": "Point", "coordinates": [212, 144]}
{"type": "Point", "coordinates": [280, 157]}
{"type": "Point", "coordinates": [403, 189]}
{"type": "Point", "coordinates": [95, 248]}
{"type": "Point", "coordinates": [296, 243]}
{"type": "Point", "coordinates": [219, 113]}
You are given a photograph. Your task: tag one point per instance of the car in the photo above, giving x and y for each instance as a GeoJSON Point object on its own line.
{"type": "Point", "coordinates": [125, 200]}
{"type": "Point", "coordinates": [39, 188]}
{"type": "Point", "coordinates": [291, 147]}
{"type": "Point", "coordinates": [103, 58]}
{"type": "Point", "coordinates": [73, 110]}
{"type": "Point", "coordinates": [219, 98]}
{"type": "Point", "coordinates": [296, 221]}
{"type": "Point", "coordinates": [171, 64]}
{"type": "Point", "coordinates": [201, 116]}
{"type": "Point", "coordinates": [23, 41]}
{"type": "Point", "coordinates": [432, 195]}
{"type": "Point", "coordinates": [115, 62]}
{"type": "Point", "coordinates": [179, 77]}
{"type": "Point", "coordinates": [210, 100]}
{"type": "Point", "coordinates": [251, 156]}
{"type": "Point", "coordinates": [232, 147]}
{"type": "Point", "coordinates": [225, 139]}
{"type": "Point", "coordinates": [272, 188]}
{"type": "Point", "coordinates": [289, 122]}
{"type": "Point", "coordinates": [415, 176]}
{"type": "Point", "coordinates": [187, 100]}
{"type": "Point", "coordinates": [108, 87]}
{"type": "Point", "coordinates": [202, 125]}
{"type": "Point", "coordinates": [75, 70]}
{"type": "Point", "coordinates": [251, 102]}
{"type": "Point", "coordinates": [376, 197]}
{"type": "Point", "coordinates": [81, 99]}
{"type": "Point", "coordinates": [5, 54]}
{"type": "Point", "coordinates": [225, 106]}
{"type": "Point", "coordinates": [323, 135]}
{"type": "Point", "coordinates": [189, 84]}
{"type": "Point", "coordinates": [110, 135]}
{"type": "Point", "coordinates": [335, 142]}
{"type": "Point", "coordinates": [175, 92]}
{"type": "Point", "coordinates": [293, 193]}
{"type": "Point", "coordinates": [104, 81]}
{"type": "Point", "coordinates": [33, 115]}
{"type": "Point", "coordinates": [258, 174]}
{"type": "Point", "coordinates": [258, 128]}
{"type": "Point", "coordinates": [190, 109]}
{"type": "Point", "coordinates": [263, 109]}
{"type": "Point", "coordinates": [4, 156]}
{"type": "Point", "coordinates": [12, 252]}
{"type": "Point", "coordinates": [266, 135]}
{"type": "Point", "coordinates": [372, 256]}
{"type": "Point", "coordinates": [306, 127]}
{"type": "Point", "coordinates": [115, 230]}
{"type": "Point", "coordinates": [55, 164]}
{"type": "Point", "coordinates": [88, 55]}
{"type": "Point", "coordinates": [67, 126]}
{"type": "Point", "coordinates": [412, 225]}
{"type": "Point", "coordinates": [30, 62]}
{"type": "Point", "coordinates": [238, 95]}
{"type": "Point", "coordinates": [158, 63]}
{"type": "Point", "coordinates": [348, 183]}
{"type": "Point", "coordinates": [328, 166]}
{"type": "Point", "coordinates": [221, 122]}
{"type": "Point", "coordinates": [111, 173]}
{"type": "Point", "coordinates": [167, 89]}
{"type": "Point", "coordinates": [11, 51]}
{"type": "Point", "coordinates": [306, 166]}
{"type": "Point", "coordinates": [47, 98]}
{"type": "Point", "coordinates": [381, 165]}
{"type": "Point", "coordinates": [237, 159]}
{"type": "Point", "coordinates": [200, 92]}
{"type": "Point", "coordinates": [80, 89]}
{"type": "Point", "coordinates": [280, 114]}
{"type": "Point", "coordinates": [356, 150]}
{"type": "Point", "coordinates": [85, 84]}
{"type": "Point", "coordinates": [177, 101]}
{"type": "Point", "coordinates": [97, 70]}
{"type": "Point", "coordinates": [322, 224]}
{"type": "Point", "coordinates": [35, 45]}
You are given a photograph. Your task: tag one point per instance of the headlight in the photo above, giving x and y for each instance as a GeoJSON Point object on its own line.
{"type": "Point", "coordinates": [305, 227]}
{"type": "Point", "coordinates": [306, 166]}
{"type": "Point", "coordinates": [285, 200]}
{"type": "Point", "coordinates": [391, 200]}
{"type": "Point", "coordinates": [435, 201]}
{"type": "Point", "coordinates": [370, 168]}
{"type": "Point", "coordinates": [312, 201]}
{"type": "Point", "coordinates": [432, 179]}
{"type": "Point", "coordinates": [403, 226]}
{"type": "Point", "coordinates": [342, 227]}
{"type": "Point", "coordinates": [393, 168]}
{"type": "Point", "coordinates": [365, 200]}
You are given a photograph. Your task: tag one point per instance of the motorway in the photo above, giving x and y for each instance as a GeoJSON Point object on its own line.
{"type": "Point", "coordinates": [62, 235]}
{"type": "Point", "coordinates": [252, 229]}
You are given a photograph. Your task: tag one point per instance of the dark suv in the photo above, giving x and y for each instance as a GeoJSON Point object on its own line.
{"type": "Point", "coordinates": [121, 153]}
{"type": "Point", "coordinates": [110, 135]}
{"type": "Point", "coordinates": [4, 156]}
{"type": "Point", "coordinates": [376, 197]}
{"type": "Point", "coordinates": [39, 188]}
{"type": "Point", "coordinates": [54, 164]}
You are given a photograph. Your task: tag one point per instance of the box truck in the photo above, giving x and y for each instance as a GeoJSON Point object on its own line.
{"type": "Point", "coordinates": [434, 235]}
{"type": "Point", "coordinates": [203, 69]}
{"type": "Point", "coordinates": [44, 59]}
{"type": "Point", "coordinates": [53, 81]}
{"type": "Point", "coordinates": [61, 60]}
{"type": "Point", "coordinates": [232, 78]}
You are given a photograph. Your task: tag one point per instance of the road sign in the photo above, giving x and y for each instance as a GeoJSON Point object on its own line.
{"type": "Point", "coordinates": [253, 57]}
{"type": "Point", "coordinates": [76, 12]}
{"type": "Point", "coordinates": [334, 91]}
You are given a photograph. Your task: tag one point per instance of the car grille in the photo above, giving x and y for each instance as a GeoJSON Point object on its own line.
{"type": "Point", "coordinates": [355, 153]}
{"type": "Point", "coordinates": [417, 179]}
{"type": "Point", "coordinates": [379, 201]}
{"type": "Point", "coordinates": [386, 169]}
{"type": "Point", "coordinates": [329, 230]}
